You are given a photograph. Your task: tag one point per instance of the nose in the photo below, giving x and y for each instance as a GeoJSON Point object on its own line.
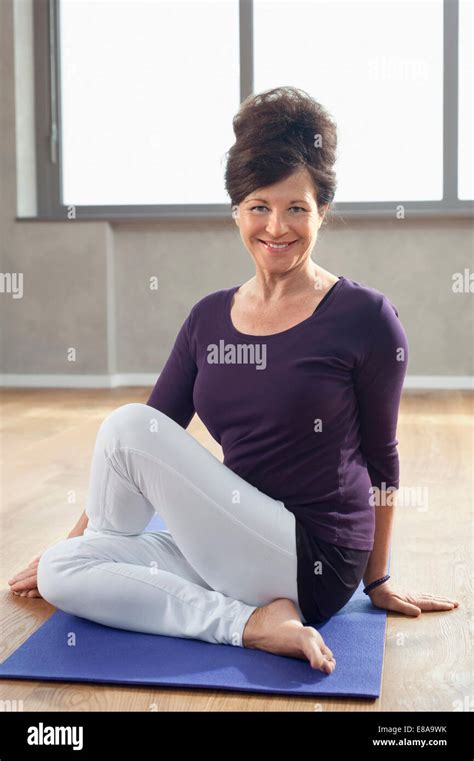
{"type": "Point", "coordinates": [276, 226]}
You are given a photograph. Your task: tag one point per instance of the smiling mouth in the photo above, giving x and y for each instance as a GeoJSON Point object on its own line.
{"type": "Point", "coordinates": [277, 246]}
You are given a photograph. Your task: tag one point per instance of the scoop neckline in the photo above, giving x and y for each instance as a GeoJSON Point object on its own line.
{"type": "Point", "coordinates": [320, 307]}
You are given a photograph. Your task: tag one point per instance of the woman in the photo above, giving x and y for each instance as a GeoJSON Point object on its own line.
{"type": "Point", "coordinates": [298, 374]}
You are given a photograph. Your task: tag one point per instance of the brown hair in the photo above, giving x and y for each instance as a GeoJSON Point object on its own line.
{"type": "Point", "coordinates": [275, 135]}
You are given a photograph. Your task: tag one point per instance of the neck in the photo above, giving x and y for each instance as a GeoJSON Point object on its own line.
{"type": "Point", "coordinates": [269, 286]}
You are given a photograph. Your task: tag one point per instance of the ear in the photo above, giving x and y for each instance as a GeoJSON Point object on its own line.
{"type": "Point", "coordinates": [235, 215]}
{"type": "Point", "coordinates": [322, 213]}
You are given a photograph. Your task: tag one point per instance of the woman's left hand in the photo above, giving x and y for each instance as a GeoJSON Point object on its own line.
{"type": "Point", "coordinates": [386, 597]}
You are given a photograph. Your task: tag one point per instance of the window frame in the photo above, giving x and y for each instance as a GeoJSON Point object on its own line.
{"type": "Point", "coordinates": [49, 152]}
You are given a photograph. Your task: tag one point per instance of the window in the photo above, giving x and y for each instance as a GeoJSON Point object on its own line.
{"type": "Point", "coordinates": [380, 74]}
{"type": "Point", "coordinates": [466, 104]}
{"type": "Point", "coordinates": [148, 92]}
{"type": "Point", "coordinates": [135, 99]}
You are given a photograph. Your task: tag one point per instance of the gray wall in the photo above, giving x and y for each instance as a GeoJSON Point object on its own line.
{"type": "Point", "coordinates": [86, 284]}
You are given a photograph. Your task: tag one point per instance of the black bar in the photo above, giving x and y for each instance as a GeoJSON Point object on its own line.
{"type": "Point", "coordinates": [157, 734]}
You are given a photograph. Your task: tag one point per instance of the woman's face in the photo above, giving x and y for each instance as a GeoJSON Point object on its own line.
{"type": "Point", "coordinates": [286, 212]}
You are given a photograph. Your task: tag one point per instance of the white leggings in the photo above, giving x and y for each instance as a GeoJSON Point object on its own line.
{"type": "Point", "coordinates": [228, 548]}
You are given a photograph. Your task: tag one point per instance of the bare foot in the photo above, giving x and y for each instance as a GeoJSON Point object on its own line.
{"type": "Point", "coordinates": [277, 628]}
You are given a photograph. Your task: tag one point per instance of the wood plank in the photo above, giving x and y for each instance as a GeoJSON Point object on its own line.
{"type": "Point", "coordinates": [46, 438]}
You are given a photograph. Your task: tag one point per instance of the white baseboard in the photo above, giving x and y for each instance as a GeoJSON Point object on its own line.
{"type": "Point", "coordinates": [442, 382]}
{"type": "Point", "coordinates": [27, 380]}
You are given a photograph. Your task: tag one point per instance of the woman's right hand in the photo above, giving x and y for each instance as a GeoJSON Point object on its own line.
{"type": "Point", "coordinates": [23, 583]}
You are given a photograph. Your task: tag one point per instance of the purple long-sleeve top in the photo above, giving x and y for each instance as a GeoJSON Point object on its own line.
{"type": "Point", "coordinates": [307, 415]}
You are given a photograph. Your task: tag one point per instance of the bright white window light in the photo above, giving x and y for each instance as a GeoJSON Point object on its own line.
{"type": "Point", "coordinates": [466, 101]}
{"type": "Point", "coordinates": [148, 92]}
{"type": "Point", "coordinates": [377, 66]}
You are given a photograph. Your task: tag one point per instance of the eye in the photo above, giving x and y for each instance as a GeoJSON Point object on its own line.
{"type": "Point", "coordinates": [264, 207]}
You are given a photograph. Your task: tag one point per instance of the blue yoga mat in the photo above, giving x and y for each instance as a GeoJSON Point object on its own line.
{"type": "Point", "coordinates": [103, 654]}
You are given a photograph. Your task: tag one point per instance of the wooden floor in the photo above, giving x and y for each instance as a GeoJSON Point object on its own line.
{"type": "Point", "coordinates": [46, 440]}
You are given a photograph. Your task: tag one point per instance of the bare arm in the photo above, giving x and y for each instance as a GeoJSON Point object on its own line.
{"type": "Point", "coordinates": [386, 595]}
{"type": "Point", "coordinates": [378, 560]}
{"type": "Point", "coordinates": [80, 526]}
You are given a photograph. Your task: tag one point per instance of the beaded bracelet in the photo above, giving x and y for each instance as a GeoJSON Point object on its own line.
{"type": "Point", "coordinates": [375, 583]}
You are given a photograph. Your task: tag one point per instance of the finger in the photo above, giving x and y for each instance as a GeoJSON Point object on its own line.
{"type": "Point", "coordinates": [439, 598]}
{"type": "Point", "coordinates": [434, 605]}
{"type": "Point", "coordinates": [33, 593]}
{"type": "Point", "coordinates": [402, 606]}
